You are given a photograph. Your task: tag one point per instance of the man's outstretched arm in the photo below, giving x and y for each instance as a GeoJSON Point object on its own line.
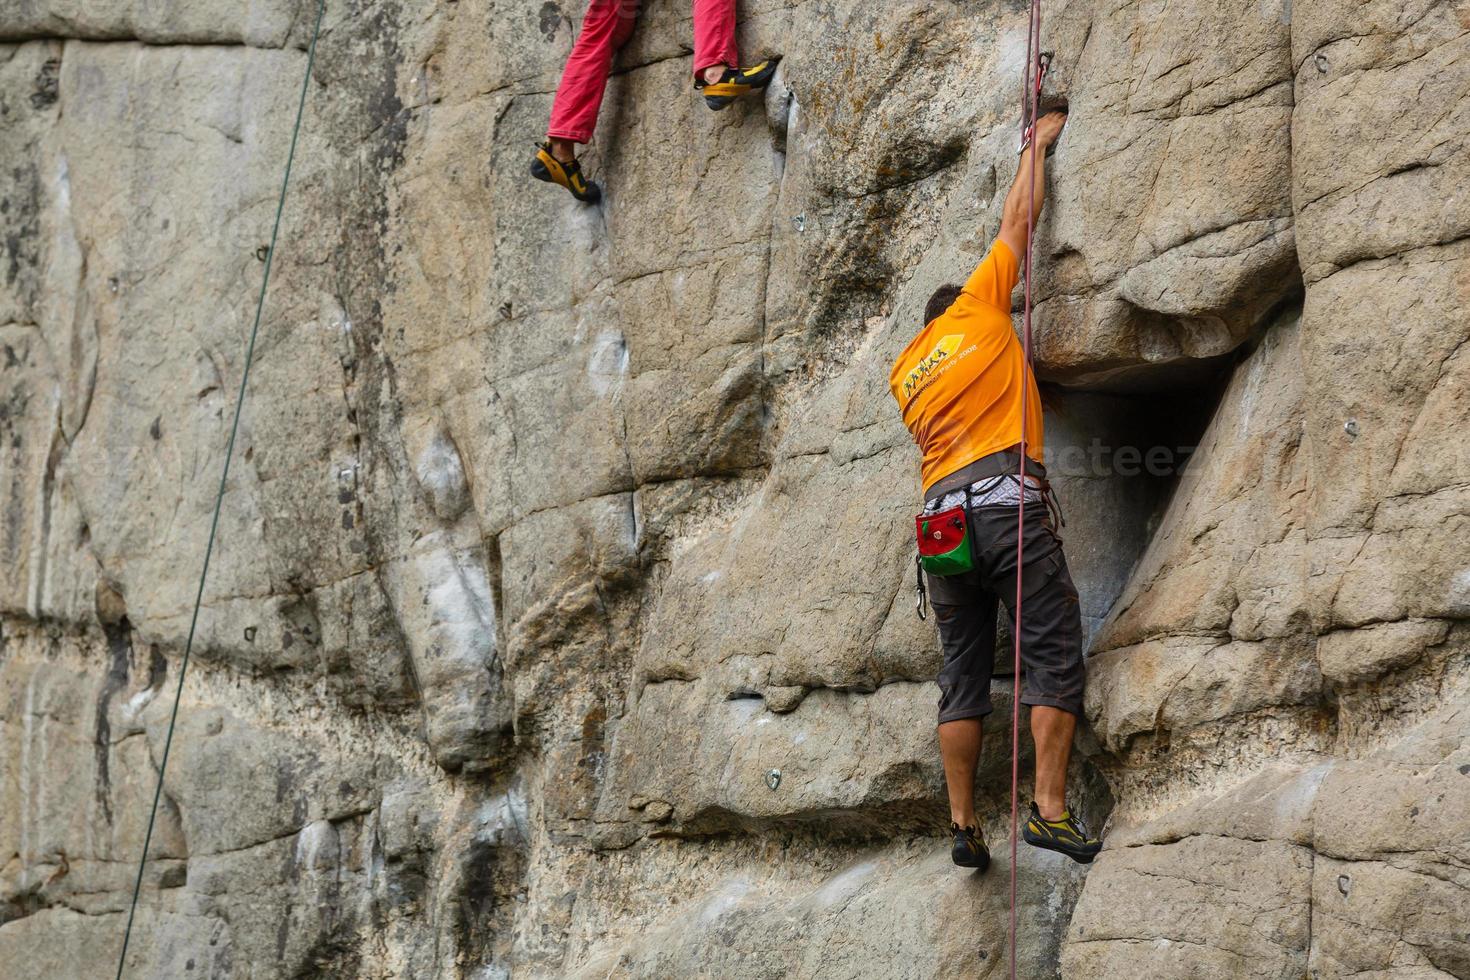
{"type": "Point", "coordinates": [1013, 216]}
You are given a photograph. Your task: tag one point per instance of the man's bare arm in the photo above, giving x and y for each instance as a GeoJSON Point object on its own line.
{"type": "Point", "coordinates": [1013, 216]}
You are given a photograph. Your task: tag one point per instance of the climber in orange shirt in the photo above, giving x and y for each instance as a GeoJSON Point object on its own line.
{"type": "Point", "coordinates": [960, 385]}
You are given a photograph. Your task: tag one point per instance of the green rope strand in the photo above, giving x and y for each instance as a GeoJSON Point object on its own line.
{"type": "Point", "coordinates": [220, 495]}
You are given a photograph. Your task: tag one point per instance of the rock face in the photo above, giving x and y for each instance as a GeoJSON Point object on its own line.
{"type": "Point", "coordinates": [555, 532]}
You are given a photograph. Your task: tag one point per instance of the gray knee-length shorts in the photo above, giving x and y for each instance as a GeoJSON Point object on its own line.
{"type": "Point", "coordinates": [965, 607]}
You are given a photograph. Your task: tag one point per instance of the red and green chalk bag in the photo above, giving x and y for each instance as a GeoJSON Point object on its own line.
{"type": "Point", "coordinates": [944, 542]}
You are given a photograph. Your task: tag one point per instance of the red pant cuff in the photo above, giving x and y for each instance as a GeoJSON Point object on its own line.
{"type": "Point", "coordinates": [729, 59]}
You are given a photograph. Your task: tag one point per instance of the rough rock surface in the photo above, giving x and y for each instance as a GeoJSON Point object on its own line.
{"type": "Point", "coordinates": [553, 530]}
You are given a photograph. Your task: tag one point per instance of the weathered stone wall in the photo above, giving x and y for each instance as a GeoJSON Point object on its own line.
{"type": "Point", "coordinates": [553, 530]}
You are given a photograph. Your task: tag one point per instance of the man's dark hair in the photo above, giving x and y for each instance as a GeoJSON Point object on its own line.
{"type": "Point", "coordinates": [940, 301]}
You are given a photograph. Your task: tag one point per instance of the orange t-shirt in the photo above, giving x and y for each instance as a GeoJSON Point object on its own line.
{"type": "Point", "coordinates": [959, 382]}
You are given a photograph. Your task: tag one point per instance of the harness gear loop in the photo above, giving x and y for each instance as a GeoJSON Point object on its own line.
{"type": "Point", "coordinates": [1030, 104]}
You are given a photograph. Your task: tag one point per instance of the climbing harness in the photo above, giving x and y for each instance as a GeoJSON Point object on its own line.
{"type": "Point", "coordinates": [220, 495]}
{"type": "Point", "coordinates": [1030, 106]}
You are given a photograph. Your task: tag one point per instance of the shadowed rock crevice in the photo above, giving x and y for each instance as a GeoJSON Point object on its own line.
{"type": "Point", "coordinates": [120, 649]}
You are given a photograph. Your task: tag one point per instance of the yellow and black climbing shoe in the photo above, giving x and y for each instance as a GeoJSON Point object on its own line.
{"type": "Point", "coordinates": [1066, 835]}
{"type": "Point", "coordinates": [735, 83]}
{"type": "Point", "coordinates": [569, 175]}
{"type": "Point", "coordinates": [969, 848]}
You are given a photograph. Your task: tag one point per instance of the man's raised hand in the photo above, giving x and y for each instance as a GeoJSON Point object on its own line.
{"type": "Point", "coordinates": [1049, 127]}
{"type": "Point", "coordinates": [1026, 190]}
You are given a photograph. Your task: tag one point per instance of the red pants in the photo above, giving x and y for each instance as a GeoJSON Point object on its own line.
{"type": "Point", "coordinates": [606, 28]}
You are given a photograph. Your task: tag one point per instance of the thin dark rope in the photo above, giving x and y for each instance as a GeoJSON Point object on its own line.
{"type": "Point", "coordinates": [220, 495]}
{"type": "Point", "coordinates": [1030, 106]}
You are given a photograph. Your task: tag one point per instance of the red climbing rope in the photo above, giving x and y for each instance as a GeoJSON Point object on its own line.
{"type": "Point", "coordinates": [1030, 106]}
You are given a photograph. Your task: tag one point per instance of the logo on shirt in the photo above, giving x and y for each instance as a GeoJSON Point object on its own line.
{"type": "Point", "coordinates": [931, 364]}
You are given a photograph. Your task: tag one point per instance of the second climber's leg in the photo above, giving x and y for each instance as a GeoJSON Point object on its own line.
{"type": "Point", "coordinates": [717, 71]}
{"type": "Point", "coordinates": [606, 27]}
{"type": "Point", "coordinates": [714, 38]}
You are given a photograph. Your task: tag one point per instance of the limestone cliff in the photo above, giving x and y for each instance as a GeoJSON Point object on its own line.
{"type": "Point", "coordinates": [553, 530]}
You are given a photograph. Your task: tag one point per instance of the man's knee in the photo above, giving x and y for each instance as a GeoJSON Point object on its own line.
{"type": "Point", "coordinates": [967, 637]}
{"type": "Point", "coordinates": [1051, 639]}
